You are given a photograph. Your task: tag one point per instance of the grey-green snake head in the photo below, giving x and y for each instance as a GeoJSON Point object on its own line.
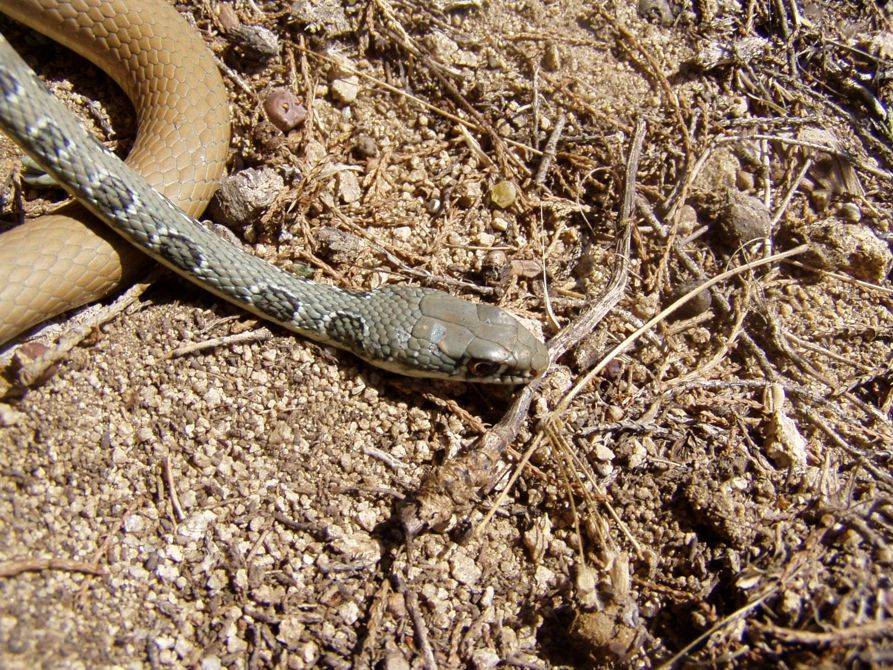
{"type": "Point", "coordinates": [433, 334]}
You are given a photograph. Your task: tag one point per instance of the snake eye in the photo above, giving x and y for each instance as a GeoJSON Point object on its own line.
{"type": "Point", "coordinates": [483, 368]}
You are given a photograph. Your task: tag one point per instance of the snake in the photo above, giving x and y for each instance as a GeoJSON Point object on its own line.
{"type": "Point", "coordinates": [410, 330]}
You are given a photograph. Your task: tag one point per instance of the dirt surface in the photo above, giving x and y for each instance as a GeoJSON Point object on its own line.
{"type": "Point", "coordinates": [718, 494]}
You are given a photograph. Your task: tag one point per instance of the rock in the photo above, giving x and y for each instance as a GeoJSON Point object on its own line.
{"type": "Point", "coordinates": [284, 109]}
{"type": "Point", "coordinates": [504, 194]}
{"type": "Point", "coordinates": [9, 416]}
{"type": "Point", "coordinates": [719, 174]}
{"type": "Point", "coordinates": [744, 219]}
{"type": "Point", "coordinates": [348, 187]}
{"type": "Point", "coordinates": [227, 17]}
{"type": "Point", "coordinates": [604, 635]}
{"type": "Point", "coordinates": [256, 41]}
{"type": "Point", "coordinates": [688, 220]}
{"type": "Point", "coordinates": [849, 248]}
{"type": "Point", "coordinates": [365, 146]}
{"type": "Point", "coordinates": [338, 245]}
{"type": "Point", "coordinates": [244, 195]}
{"type": "Point", "coordinates": [656, 11]}
{"type": "Point", "coordinates": [464, 569]}
{"type": "Point", "coordinates": [346, 90]}
{"type": "Point", "coordinates": [697, 304]}
{"type": "Point", "coordinates": [552, 57]}
{"type": "Point", "coordinates": [468, 193]}
{"type": "Point", "coordinates": [291, 629]}
{"type": "Point", "coordinates": [267, 137]}
{"type": "Point", "coordinates": [851, 212]}
{"type": "Point", "coordinates": [196, 525]}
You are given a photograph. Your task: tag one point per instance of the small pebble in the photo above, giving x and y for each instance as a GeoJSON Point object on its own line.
{"type": "Point", "coordinates": [267, 137]}
{"type": "Point", "coordinates": [698, 304]}
{"type": "Point", "coordinates": [744, 180]}
{"type": "Point", "coordinates": [348, 187]}
{"type": "Point", "coordinates": [851, 212]}
{"type": "Point", "coordinates": [843, 247]}
{"type": "Point", "coordinates": [284, 109]}
{"type": "Point", "coordinates": [494, 266]}
{"type": "Point", "coordinates": [9, 416]}
{"type": "Point", "coordinates": [227, 17]}
{"type": "Point", "coordinates": [244, 195]}
{"type": "Point", "coordinates": [744, 218]}
{"type": "Point", "coordinates": [552, 57]}
{"type": "Point", "coordinates": [468, 193]}
{"type": "Point", "coordinates": [688, 220]}
{"type": "Point", "coordinates": [257, 41]}
{"type": "Point", "coordinates": [346, 90]}
{"type": "Point", "coordinates": [526, 268]}
{"type": "Point", "coordinates": [337, 245]}
{"type": "Point", "coordinates": [656, 11]}
{"type": "Point", "coordinates": [500, 224]}
{"type": "Point", "coordinates": [365, 147]}
{"type": "Point", "coordinates": [504, 194]}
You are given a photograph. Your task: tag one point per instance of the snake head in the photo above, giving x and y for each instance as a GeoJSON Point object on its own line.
{"type": "Point", "coordinates": [441, 336]}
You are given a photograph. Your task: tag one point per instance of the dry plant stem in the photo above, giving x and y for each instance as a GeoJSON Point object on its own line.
{"type": "Point", "coordinates": [14, 568]}
{"type": "Point", "coordinates": [824, 351]}
{"type": "Point", "coordinates": [503, 494]}
{"type": "Point", "coordinates": [718, 298]}
{"type": "Point", "coordinates": [34, 370]}
{"type": "Point", "coordinates": [456, 483]}
{"type": "Point", "coordinates": [883, 290]}
{"type": "Point", "coordinates": [558, 440]}
{"type": "Point", "coordinates": [790, 388]}
{"type": "Point", "coordinates": [701, 371]}
{"type": "Point", "coordinates": [172, 490]}
{"type": "Point", "coordinates": [809, 552]}
{"type": "Point", "coordinates": [788, 196]}
{"type": "Point", "coordinates": [234, 76]}
{"type": "Point", "coordinates": [738, 614]}
{"type": "Point", "coordinates": [373, 625]}
{"type": "Point", "coordinates": [259, 335]}
{"type": "Point", "coordinates": [843, 155]}
{"type": "Point", "coordinates": [418, 622]}
{"type": "Point", "coordinates": [838, 636]}
{"type": "Point", "coordinates": [583, 325]}
{"type": "Point", "coordinates": [583, 382]}
{"type": "Point", "coordinates": [549, 150]}
{"type": "Point", "coordinates": [865, 458]}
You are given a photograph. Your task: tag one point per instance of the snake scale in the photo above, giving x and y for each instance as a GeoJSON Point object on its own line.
{"type": "Point", "coordinates": [405, 329]}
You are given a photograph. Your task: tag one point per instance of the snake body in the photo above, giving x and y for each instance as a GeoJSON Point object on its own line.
{"type": "Point", "coordinates": [54, 263]}
{"type": "Point", "coordinates": [410, 330]}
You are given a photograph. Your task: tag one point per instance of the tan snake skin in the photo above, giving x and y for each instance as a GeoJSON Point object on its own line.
{"type": "Point", "coordinates": [57, 262]}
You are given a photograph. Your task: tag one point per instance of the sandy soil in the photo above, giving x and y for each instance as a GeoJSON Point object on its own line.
{"type": "Point", "coordinates": [239, 506]}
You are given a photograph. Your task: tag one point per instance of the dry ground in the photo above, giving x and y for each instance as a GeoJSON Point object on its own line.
{"type": "Point", "coordinates": [719, 494]}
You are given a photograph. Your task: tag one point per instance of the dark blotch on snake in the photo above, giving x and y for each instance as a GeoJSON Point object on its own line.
{"type": "Point", "coordinates": [48, 134]}
{"type": "Point", "coordinates": [112, 191]}
{"type": "Point", "coordinates": [181, 252]}
{"type": "Point", "coordinates": [279, 304]}
{"type": "Point", "coordinates": [9, 85]}
{"type": "Point", "coordinates": [348, 329]}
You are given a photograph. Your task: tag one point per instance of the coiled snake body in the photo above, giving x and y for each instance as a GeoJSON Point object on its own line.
{"type": "Point", "coordinates": [409, 330]}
